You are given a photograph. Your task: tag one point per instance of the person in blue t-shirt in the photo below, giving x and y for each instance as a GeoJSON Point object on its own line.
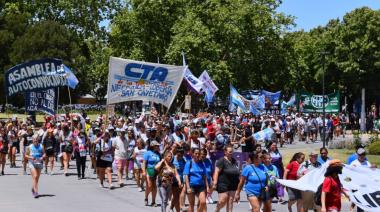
{"type": "Point", "coordinates": [354, 155]}
{"type": "Point", "coordinates": [209, 173]}
{"type": "Point", "coordinates": [323, 157]}
{"type": "Point", "coordinates": [254, 181]}
{"type": "Point", "coordinates": [179, 193]}
{"type": "Point", "coordinates": [196, 180]}
{"type": "Point", "coordinates": [151, 158]}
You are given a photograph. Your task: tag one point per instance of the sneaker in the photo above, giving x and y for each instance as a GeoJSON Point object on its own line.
{"type": "Point", "coordinates": [101, 185]}
{"type": "Point", "coordinates": [140, 189]}
{"type": "Point", "coordinates": [209, 200]}
{"type": "Point", "coordinates": [51, 173]}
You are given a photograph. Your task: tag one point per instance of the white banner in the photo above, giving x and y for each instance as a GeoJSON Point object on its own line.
{"type": "Point", "coordinates": [193, 81]}
{"type": "Point", "coordinates": [361, 183]}
{"type": "Point", "coordinates": [208, 84]}
{"type": "Point", "coordinates": [130, 80]}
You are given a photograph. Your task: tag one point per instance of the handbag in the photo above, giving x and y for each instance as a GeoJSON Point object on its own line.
{"type": "Point", "coordinates": [263, 193]}
{"type": "Point", "coordinates": [99, 153]}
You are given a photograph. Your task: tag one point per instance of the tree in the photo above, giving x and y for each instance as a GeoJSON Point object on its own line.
{"type": "Point", "coordinates": [238, 42]}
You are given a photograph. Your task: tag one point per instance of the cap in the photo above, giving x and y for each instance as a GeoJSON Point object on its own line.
{"type": "Point", "coordinates": [130, 128]}
{"type": "Point", "coordinates": [312, 152]}
{"type": "Point", "coordinates": [154, 143]}
{"type": "Point", "coordinates": [335, 162]}
{"type": "Point", "coordinates": [360, 151]}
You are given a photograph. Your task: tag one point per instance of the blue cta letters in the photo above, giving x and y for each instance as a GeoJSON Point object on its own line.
{"type": "Point", "coordinates": [142, 71]}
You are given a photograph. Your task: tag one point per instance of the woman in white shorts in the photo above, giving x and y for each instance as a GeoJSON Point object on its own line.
{"type": "Point", "coordinates": [138, 157]}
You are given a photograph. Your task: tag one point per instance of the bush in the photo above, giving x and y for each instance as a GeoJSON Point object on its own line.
{"type": "Point", "coordinates": [374, 148]}
{"type": "Point", "coordinates": [345, 144]}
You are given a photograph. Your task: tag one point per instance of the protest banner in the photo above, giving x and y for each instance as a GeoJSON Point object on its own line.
{"type": "Point", "coordinates": [44, 101]}
{"type": "Point", "coordinates": [188, 102]}
{"type": "Point", "coordinates": [110, 110]}
{"type": "Point", "coordinates": [310, 103]}
{"type": "Point", "coordinates": [194, 83]}
{"type": "Point", "coordinates": [208, 84]}
{"type": "Point", "coordinates": [271, 97]}
{"type": "Point", "coordinates": [35, 75]}
{"type": "Point", "coordinates": [361, 183]}
{"type": "Point", "coordinates": [130, 80]}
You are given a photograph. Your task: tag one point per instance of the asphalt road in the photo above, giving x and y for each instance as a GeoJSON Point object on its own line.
{"type": "Point", "coordinates": [59, 193]}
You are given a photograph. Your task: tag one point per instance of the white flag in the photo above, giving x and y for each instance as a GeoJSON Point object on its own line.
{"type": "Point", "coordinates": [130, 80]}
{"type": "Point", "coordinates": [208, 84]}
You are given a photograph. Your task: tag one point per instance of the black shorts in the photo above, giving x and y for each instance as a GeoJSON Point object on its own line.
{"type": "Point", "coordinates": [50, 153]}
{"type": "Point", "coordinates": [225, 188]}
{"type": "Point", "coordinates": [103, 164]}
{"type": "Point", "coordinates": [14, 144]}
{"type": "Point", "coordinates": [197, 189]}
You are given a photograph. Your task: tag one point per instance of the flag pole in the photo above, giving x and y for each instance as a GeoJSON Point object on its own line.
{"type": "Point", "coordinates": [68, 88]}
{"type": "Point", "coordinates": [57, 98]}
{"type": "Point", "coordinates": [6, 107]}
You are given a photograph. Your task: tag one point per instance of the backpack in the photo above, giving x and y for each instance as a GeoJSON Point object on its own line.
{"type": "Point", "coordinates": [318, 194]}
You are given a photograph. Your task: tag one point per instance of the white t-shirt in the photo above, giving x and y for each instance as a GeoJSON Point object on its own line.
{"type": "Point", "coordinates": [358, 163]}
{"type": "Point", "coordinates": [120, 148]}
{"type": "Point", "coordinates": [139, 154]}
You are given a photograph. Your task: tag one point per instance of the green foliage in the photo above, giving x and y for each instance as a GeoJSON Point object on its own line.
{"type": "Point", "coordinates": [246, 43]}
{"type": "Point", "coordinates": [238, 42]}
{"type": "Point", "coordinates": [374, 148]}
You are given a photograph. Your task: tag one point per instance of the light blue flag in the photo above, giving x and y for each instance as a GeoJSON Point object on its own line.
{"type": "Point", "coordinates": [183, 59]}
{"type": "Point", "coordinates": [232, 107]}
{"type": "Point", "coordinates": [253, 109]}
{"type": "Point", "coordinates": [292, 100]}
{"type": "Point", "coordinates": [236, 98]}
{"type": "Point", "coordinates": [284, 108]}
{"type": "Point", "coordinates": [258, 101]}
{"type": "Point", "coordinates": [72, 80]}
{"type": "Point", "coordinates": [209, 97]}
{"type": "Point", "coordinates": [273, 97]}
{"type": "Point", "coordinates": [265, 134]}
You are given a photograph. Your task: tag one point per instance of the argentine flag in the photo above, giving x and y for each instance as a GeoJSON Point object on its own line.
{"type": "Point", "coordinates": [236, 98]}
{"type": "Point", "coordinates": [72, 80]}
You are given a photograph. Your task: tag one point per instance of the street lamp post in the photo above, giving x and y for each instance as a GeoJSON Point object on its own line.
{"type": "Point", "coordinates": [323, 100]}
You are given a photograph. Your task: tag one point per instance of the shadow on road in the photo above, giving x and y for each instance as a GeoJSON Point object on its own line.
{"type": "Point", "coordinates": [46, 195]}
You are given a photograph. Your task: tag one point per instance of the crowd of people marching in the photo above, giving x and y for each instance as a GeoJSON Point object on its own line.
{"type": "Point", "coordinates": [176, 157]}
